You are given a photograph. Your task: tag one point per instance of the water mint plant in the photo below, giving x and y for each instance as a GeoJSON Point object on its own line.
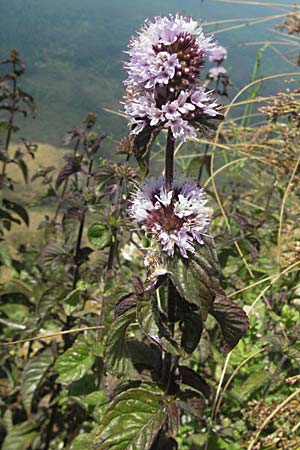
{"type": "Point", "coordinates": [119, 310]}
{"type": "Point", "coordinates": [181, 285]}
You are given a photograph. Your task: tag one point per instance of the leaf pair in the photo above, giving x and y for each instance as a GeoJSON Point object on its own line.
{"type": "Point", "coordinates": [197, 283]}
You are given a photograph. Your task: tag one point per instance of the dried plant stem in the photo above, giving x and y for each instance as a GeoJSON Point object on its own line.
{"type": "Point", "coordinates": [270, 417]}
{"type": "Point", "coordinates": [284, 199]}
{"type": "Point", "coordinates": [48, 336]}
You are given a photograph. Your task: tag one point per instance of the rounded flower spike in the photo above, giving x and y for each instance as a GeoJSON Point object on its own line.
{"type": "Point", "coordinates": [178, 219]}
{"type": "Point", "coordinates": [163, 87]}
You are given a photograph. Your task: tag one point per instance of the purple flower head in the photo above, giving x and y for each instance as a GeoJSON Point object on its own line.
{"type": "Point", "coordinates": [178, 219]}
{"type": "Point", "coordinates": [166, 58]}
{"type": "Point", "coordinates": [168, 51]}
{"type": "Point", "coordinates": [217, 54]}
{"type": "Point", "coordinates": [217, 72]}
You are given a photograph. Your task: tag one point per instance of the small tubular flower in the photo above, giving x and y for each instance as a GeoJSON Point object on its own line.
{"type": "Point", "coordinates": [217, 72]}
{"type": "Point", "coordinates": [166, 60]}
{"type": "Point", "coordinates": [177, 219]}
{"type": "Point", "coordinates": [217, 54]}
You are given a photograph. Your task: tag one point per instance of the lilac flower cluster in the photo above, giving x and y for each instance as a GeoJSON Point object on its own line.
{"type": "Point", "coordinates": [218, 55]}
{"type": "Point", "coordinates": [163, 85]}
{"type": "Point", "coordinates": [178, 218]}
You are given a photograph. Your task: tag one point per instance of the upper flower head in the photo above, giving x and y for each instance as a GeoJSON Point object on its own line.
{"type": "Point", "coordinates": [168, 51]}
{"type": "Point", "coordinates": [178, 218]}
{"type": "Point", "coordinates": [166, 58]}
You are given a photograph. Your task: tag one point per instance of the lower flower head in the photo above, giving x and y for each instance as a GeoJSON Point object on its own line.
{"type": "Point", "coordinates": [178, 219]}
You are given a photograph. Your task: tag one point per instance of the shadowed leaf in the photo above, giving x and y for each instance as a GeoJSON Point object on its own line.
{"type": "Point", "coordinates": [232, 319]}
{"type": "Point", "coordinates": [17, 209]}
{"type": "Point", "coordinates": [72, 166]}
{"type": "Point", "coordinates": [32, 376]}
{"type": "Point", "coordinates": [191, 328]}
{"type": "Point", "coordinates": [116, 352]}
{"type": "Point", "coordinates": [142, 144]}
{"type": "Point", "coordinates": [194, 380]}
{"type": "Point", "coordinates": [154, 326]}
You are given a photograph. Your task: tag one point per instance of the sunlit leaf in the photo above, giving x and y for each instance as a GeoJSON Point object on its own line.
{"type": "Point", "coordinates": [100, 235]}
{"type": "Point", "coordinates": [20, 437]}
{"type": "Point", "coordinates": [72, 301]}
{"type": "Point", "coordinates": [83, 441]}
{"type": "Point", "coordinates": [253, 382]}
{"type": "Point", "coordinates": [132, 421]}
{"type": "Point", "coordinates": [73, 364]}
{"type": "Point", "coordinates": [5, 257]}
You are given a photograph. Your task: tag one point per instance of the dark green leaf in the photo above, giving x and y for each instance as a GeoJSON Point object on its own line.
{"type": "Point", "coordinates": [100, 235]}
{"type": "Point", "coordinates": [32, 376]}
{"type": "Point", "coordinates": [83, 441]}
{"type": "Point", "coordinates": [164, 442]}
{"type": "Point", "coordinates": [144, 356]}
{"type": "Point", "coordinates": [142, 144]}
{"type": "Point", "coordinates": [24, 169]}
{"type": "Point", "coordinates": [191, 328]}
{"type": "Point", "coordinates": [20, 437]}
{"type": "Point", "coordinates": [73, 364]}
{"type": "Point", "coordinates": [72, 301]}
{"type": "Point", "coordinates": [125, 303]}
{"type": "Point", "coordinates": [116, 351]}
{"type": "Point", "coordinates": [5, 258]}
{"type": "Point", "coordinates": [153, 324]}
{"type": "Point", "coordinates": [252, 383]}
{"type": "Point", "coordinates": [189, 282]}
{"type": "Point", "coordinates": [191, 378]}
{"type": "Point", "coordinates": [55, 253]}
{"type": "Point", "coordinates": [17, 209]}
{"type": "Point", "coordinates": [191, 403]}
{"type": "Point", "coordinates": [132, 421]}
{"type": "Point", "coordinates": [232, 319]}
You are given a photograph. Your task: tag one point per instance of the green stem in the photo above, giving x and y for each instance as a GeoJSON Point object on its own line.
{"type": "Point", "coordinates": [11, 120]}
{"type": "Point", "coordinates": [80, 231]}
{"type": "Point", "coordinates": [169, 161]}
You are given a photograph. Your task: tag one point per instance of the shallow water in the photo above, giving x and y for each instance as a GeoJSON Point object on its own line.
{"type": "Point", "coordinates": [74, 52]}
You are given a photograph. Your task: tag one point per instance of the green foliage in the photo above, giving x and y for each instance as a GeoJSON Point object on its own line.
{"type": "Point", "coordinates": [32, 376]}
{"type": "Point", "coordinates": [132, 420]}
{"type": "Point", "coordinates": [73, 363]}
{"type": "Point", "coordinates": [100, 235]}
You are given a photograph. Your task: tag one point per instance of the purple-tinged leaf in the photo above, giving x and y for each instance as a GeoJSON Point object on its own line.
{"type": "Point", "coordinates": [232, 319]}
{"type": "Point", "coordinates": [194, 380]}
